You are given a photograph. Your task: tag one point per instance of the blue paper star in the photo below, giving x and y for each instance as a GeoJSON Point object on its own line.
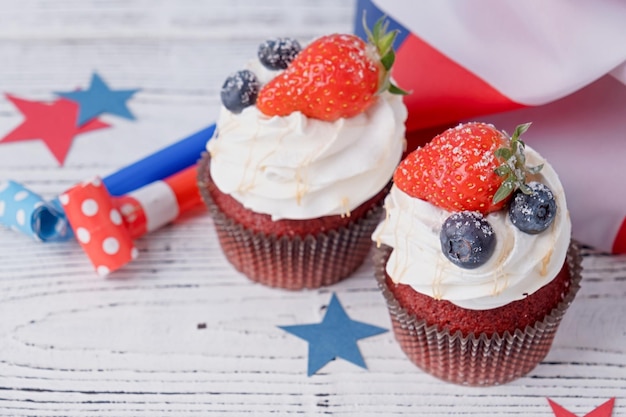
{"type": "Point", "coordinates": [335, 337]}
{"type": "Point", "coordinates": [99, 99]}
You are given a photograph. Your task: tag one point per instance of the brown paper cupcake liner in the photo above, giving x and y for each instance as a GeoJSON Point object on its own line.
{"type": "Point", "coordinates": [476, 360]}
{"type": "Point", "coordinates": [292, 263]}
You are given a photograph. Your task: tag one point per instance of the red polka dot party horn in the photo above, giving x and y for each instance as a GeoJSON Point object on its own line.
{"type": "Point", "coordinates": [25, 211]}
{"type": "Point", "coordinates": [105, 225]}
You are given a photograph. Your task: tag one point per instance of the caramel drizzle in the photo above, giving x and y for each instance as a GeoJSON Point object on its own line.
{"type": "Point", "coordinates": [437, 281]}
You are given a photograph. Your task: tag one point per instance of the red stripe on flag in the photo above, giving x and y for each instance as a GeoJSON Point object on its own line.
{"type": "Point", "coordinates": [442, 90]}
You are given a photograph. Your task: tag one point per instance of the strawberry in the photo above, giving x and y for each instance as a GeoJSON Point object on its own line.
{"type": "Point", "coordinates": [335, 76]}
{"type": "Point", "coordinates": [470, 167]}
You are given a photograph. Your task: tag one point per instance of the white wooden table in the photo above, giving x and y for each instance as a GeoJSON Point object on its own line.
{"type": "Point", "coordinates": [178, 332]}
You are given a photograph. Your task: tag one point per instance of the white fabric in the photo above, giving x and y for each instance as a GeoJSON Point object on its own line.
{"type": "Point", "coordinates": [532, 51]}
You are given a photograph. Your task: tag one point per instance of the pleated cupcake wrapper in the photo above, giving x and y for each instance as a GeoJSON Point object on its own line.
{"type": "Point", "coordinates": [290, 262]}
{"type": "Point", "coordinates": [477, 360]}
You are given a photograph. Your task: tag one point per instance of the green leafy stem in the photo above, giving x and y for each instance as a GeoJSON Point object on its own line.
{"type": "Point", "coordinates": [383, 41]}
{"type": "Point", "coordinates": [514, 167]}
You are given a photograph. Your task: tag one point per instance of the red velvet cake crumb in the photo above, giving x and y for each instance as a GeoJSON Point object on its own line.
{"type": "Point", "coordinates": [260, 222]}
{"type": "Point", "coordinates": [515, 315]}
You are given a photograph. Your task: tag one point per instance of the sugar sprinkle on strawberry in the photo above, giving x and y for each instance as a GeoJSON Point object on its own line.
{"type": "Point", "coordinates": [456, 170]}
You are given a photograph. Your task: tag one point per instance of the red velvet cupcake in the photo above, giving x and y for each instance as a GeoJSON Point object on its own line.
{"type": "Point", "coordinates": [474, 258]}
{"type": "Point", "coordinates": [290, 254]}
{"type": "Point", "coordinates": [297, 172]}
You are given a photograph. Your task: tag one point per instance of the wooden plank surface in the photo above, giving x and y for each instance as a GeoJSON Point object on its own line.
{"type": "Point", "coordinates": [178, 332]}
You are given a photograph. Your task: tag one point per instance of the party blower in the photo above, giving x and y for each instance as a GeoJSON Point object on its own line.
{"type": "Point", "coordinates": [105, 225]}
{"type": "Point", "coordinates": [105, 215]}
{"type": "Point", "coordinates": [27, 212]}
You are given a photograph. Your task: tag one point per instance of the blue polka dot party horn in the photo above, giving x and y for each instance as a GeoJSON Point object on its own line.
{"type": "Point", "coordinates": [27, 212]}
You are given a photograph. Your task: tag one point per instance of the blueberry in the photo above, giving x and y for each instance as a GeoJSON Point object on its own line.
{"type": "Point", "coordinates": [467, 239]}
{"type": "Point", "coordinates": [240, 90]}
{"type": "Point", "coordinates": [533, 213]}
{"type": "Point", "coordinates": [277, 54]}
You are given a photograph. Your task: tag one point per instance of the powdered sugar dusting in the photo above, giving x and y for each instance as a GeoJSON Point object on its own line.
{"type": "Point", "coordinates": [456, 170]}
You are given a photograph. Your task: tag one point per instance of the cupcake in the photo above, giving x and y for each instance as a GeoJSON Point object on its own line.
{"type": "Point", "coordinates": [306, 143]}
{"type": "Point", "coordinates": [474, 257]}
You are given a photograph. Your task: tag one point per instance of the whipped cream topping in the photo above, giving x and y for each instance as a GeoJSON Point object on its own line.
{"type": "Point", "coordinates": [295, 167]}
{"type": "Point", "coordinates": [520, 265]}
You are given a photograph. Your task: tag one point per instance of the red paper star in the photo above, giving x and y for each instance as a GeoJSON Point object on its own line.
{"type": "Point", "coordinates": [54, 123]}
{"type": "Point", "coordinates": [605, 410]}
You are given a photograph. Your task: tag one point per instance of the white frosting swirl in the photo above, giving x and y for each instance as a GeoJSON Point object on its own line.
{"type": "Point", "coordinates": [294, 167]}
{"type": "Point", "coordinates": [520, 265]}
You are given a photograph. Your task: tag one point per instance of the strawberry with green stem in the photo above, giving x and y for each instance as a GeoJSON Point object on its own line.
{"type": "Point", "coordinates": [472, 167]}
{"type": "Point", "coordinates": [336, 76]}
